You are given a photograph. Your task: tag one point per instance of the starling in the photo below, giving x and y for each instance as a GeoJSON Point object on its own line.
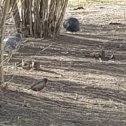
{"type": "Point", "coordinates": [39, 85]}
{"type": "Point", "coordinates": [71, 24]}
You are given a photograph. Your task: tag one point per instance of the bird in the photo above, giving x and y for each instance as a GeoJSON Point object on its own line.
{"type": "Point", "coordinates": [12, 43]}
{"type": "Point", "coordinates": [71, 24]}
{"type": "Point", "coordinates": [39, 85]}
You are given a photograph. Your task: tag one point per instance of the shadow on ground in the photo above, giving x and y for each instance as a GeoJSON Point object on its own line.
{"type": "Point", "coordinates": [88, 91]}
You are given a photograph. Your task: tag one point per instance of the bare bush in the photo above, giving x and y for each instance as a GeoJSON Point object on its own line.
{"type": "Point", "coordinates": [38, 18]}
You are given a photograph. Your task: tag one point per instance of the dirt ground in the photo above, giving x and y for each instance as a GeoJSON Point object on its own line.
{"type": "Point", "coordinates": [82, 89]}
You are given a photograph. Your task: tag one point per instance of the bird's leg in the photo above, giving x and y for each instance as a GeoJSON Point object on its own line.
{"type": "Point", "coordinates": [4, 61]}
{"type": "Point", "coordinates": [9, 56]}
{"type": "Point", "coordinates": [38, 93]}
{"type": "Point", "coordinates": [18, 47]}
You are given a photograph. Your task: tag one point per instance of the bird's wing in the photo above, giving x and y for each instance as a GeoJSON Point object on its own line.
{"type": "Point", "coordinates": [12, 38]}
{"type": "Point", "coordinates": [37, 83]}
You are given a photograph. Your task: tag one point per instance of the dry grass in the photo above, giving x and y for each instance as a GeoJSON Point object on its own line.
{"type": "Point", "coordinates": [77, 3]}
{"type": "Point", "coordinates": [82, 90]}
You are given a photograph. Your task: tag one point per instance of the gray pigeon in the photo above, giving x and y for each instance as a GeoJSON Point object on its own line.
{"type": "Point", "coordinates": [12, 43]}
{"type": "Point", "coordinates": [39, 85]}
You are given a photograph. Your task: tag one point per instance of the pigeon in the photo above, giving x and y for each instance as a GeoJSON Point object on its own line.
{"type": "Point", "coordinates": [12, 43]}
{"type": "Point", "coordinates": [71, 25]}
{"type": "Point", "coordinates": [39, 85]}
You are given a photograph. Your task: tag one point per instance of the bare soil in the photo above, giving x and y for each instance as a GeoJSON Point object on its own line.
{"type": "Point", "coordinates": [82, 89]}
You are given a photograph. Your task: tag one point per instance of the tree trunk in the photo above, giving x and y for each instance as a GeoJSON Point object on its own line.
{"type": "Point", "coordinates": [2, 24]}
{"type": "Point", "coordinates": [16, 15]}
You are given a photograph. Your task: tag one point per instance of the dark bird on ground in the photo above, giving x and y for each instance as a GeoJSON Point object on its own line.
{"type": "Point", "coordinates": [37, 65]}
{"type": "Point", "coordinates": [39, 85]}
{"type": "Point", "coordinates": [12, 43]}
{"type": "Point", "coordinates": [78, 8]}
{"type": "Point", "coordinates": [104, 57]}
{"type": "Point", "coordinates": [71, 24]}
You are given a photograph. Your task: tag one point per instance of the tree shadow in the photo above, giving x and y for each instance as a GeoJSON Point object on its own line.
{"type": "Point", "coordinates": [48, 112]}
{"type": "Point", "coordinates": [66, 86]}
